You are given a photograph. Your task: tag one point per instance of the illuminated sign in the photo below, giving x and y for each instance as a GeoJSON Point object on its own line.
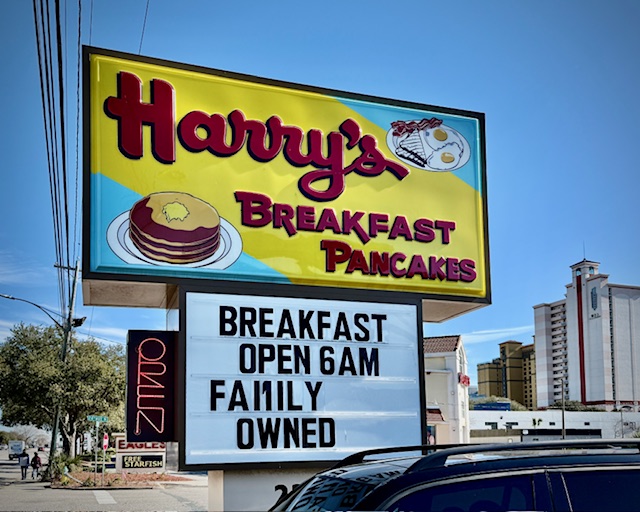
{"type": "Point", "coordinates": [273, 379]}
{"type": "Point", "coordinates": [151, 359]}
{"type": "Point", "coordinates": [201, 174]}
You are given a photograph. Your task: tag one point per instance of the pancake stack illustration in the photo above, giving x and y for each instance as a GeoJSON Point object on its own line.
{"type": "Point", "coordinates": [174, 227]}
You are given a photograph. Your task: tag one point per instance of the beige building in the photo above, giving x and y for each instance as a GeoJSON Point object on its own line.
{"type": "Point", "coordinates": [446, 389]}
{"type": "Point", "coordinates": [512, 375]}
{"type": "Point", "coordinates": [529, 377]}
{"type": "Point", "coordinates": [490, 378]}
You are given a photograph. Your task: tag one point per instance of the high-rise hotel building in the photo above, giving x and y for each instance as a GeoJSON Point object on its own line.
{"type": "Point", "coordinates": [588, 344]}
{"type": "Point", "coordinates": [512, 375]}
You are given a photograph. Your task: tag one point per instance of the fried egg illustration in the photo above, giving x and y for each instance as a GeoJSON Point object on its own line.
{"type": "Point", "coordinates": [441, 136]}
{"type": "Point", "coordinates": [446, 158]}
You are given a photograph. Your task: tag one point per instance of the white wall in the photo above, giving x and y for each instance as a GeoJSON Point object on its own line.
{"type": "Point", "coordinates": [607, 422]}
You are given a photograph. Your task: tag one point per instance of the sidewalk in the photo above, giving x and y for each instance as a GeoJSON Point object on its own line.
{"type": "Point", "coordinates": [199, 479]}
{"type": "Point", "coordinates": [10, 474]}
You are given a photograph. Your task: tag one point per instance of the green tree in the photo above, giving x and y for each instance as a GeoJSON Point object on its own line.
{"type": "Point", "coordinates": [574, 405]}
{"type": "Point", "coordinates": [6, 436]}
{"type": "Point", "coordinates": [33, 380]}
{"type": "Point", "coordinates": [515, 406]}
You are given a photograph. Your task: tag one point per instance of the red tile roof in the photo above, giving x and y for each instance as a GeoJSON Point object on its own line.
{"type": "Point", "coordinates": [437, 344]}
{"type": "Point", "coordinates": [434, 415]}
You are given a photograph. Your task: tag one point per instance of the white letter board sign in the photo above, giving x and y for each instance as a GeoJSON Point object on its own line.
{"type": "Point", "coordinates": [290, 380]}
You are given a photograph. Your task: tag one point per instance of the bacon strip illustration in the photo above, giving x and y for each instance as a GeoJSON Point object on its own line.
{"type": "Point", "coordinates": [402, 127]}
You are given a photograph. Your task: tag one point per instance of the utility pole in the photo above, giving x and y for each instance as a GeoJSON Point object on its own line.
{"type": "Point", "coordinates": [563, 423]}
{"type": "Point", "coordinates": [66, 341]}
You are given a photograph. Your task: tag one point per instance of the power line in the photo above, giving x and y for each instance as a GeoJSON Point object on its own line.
{"type": "Point", "coordinates": [47, 83]}
{"type": "Point", "coordinates": [77, 166]}
{"type": "Point", "coordinates": [144, 24]}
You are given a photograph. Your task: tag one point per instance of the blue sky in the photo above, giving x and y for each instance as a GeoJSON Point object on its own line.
{"type": "Point", "coordinates": [559, 83]}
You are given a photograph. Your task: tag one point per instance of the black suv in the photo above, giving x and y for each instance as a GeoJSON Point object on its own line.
{"type": "Point", "coordinates": [555, 476]}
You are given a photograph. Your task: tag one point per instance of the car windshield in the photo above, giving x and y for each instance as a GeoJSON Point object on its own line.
{"type": "Point", "coordinates": [341, 488]}
{"type": "Point", "coordinates": [327, 493]}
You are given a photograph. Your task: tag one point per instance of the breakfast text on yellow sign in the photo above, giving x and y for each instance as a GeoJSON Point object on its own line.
{"type": "Point", "coordinates": [259, 210]}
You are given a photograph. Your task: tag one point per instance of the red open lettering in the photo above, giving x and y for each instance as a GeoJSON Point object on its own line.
{"type": "Point", "coordinates": [149, 389]}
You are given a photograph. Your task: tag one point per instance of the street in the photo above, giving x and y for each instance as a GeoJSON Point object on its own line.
{"type": "Point", "coordinates": [33, 495]}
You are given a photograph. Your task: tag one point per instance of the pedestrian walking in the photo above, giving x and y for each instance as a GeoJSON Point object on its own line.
{"type": "Point", "coordinates": [23, 460]}
{"type": "Point", "coordinates": [36, 464]}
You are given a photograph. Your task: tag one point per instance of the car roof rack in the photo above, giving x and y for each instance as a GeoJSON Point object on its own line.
{"type": "Point", "coordinates": [359, 457]}
{"type": "Point", "coordinates": [437, 454]}
{"type": "Point", "coordinates": [441, 454]}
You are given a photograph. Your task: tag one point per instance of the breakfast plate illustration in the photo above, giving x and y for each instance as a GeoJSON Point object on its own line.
{"type": "Point", "coordinates": [428, 144]}
{"type": "Point", "coordinates": [174, 229]}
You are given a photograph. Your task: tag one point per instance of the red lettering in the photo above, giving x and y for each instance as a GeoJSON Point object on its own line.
{"type": "Point", "coordinates": [380, 263]}
{"type": "Point", "coordinates": [132, 114]}
{"type": "Point", "coordinates": [351, 222]}
{"type": "Point", "coordinates": [123, 446]}
{"type": "Point", "coordinates": [306, 216]}
{"type": "Point", "coordinates": [467, 270]}
{"type": "Point", "coordinates": [378, 224]}
{"type": "Point", "coordinates": [435, 268]}
{"type": "Point", "coordinates": [358, 261]}
{"type": "Point", "coordinates": [400, 228]}
{"type": "Point", "coordinates": [329, 220]}
{"type": "Point", "coordinates": [372, 162]}
{"type": "Point", "coordinates": [424, 230]}
{"type": "Point", "coordinates": [385, 264]}
{"type": "Point", "coordinates": [336, 252]}
{"type": "Point", "coordinates": [418, 267]}
{"type": "Point", "coordinates": [199, 131]}
{"type": "Point", "coordinates": [148, 388]}
{"type": "Point", "coordinates": [215, 127]}
{"type": "Point", "coordinates": [397, 257]}
{"type": "Point", "coordinates": [255, 208]}
{"type": "Point", "coordinates": [259, 210]}
{"type": "Point", "coordinates": [283, 217]}
{"type": "Point", "coordinates": [446, 227]}
{"type": "Point", "coordinates": [453, 269]}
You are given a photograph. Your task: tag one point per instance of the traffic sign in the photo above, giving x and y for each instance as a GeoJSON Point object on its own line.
{"type": "Point", "coordinates": [105, 442]}
{"type": "Point", "coordinates": [101, 419]}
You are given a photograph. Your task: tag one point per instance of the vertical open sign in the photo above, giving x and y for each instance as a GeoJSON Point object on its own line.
{"type": "Point", "coordinates": [151, 383]}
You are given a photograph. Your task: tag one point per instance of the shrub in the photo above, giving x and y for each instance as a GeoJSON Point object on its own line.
{"type": "Point", "coordinates": [61, 464]}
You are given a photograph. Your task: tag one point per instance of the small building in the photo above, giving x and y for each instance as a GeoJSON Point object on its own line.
{"type": "Point", "coordinates": [446, 389]}
{"type": "Point", "coordinates": [529, 426]}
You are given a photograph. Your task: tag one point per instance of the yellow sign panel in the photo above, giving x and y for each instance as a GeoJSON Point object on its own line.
{"type": "Point", "coordinates": [203, 174]}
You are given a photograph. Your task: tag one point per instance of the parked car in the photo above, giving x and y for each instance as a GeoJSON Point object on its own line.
{"type": "Point", "coordinates": [571, 476]}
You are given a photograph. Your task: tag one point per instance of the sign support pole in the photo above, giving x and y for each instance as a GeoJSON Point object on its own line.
{"type": "Point", "coordinates": [95, 468]}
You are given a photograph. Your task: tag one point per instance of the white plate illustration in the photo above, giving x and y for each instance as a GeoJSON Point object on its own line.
{"type": "Point", "coordinates": [393, 140]}
{"type": "Point", "coordinates": [120, 243]}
